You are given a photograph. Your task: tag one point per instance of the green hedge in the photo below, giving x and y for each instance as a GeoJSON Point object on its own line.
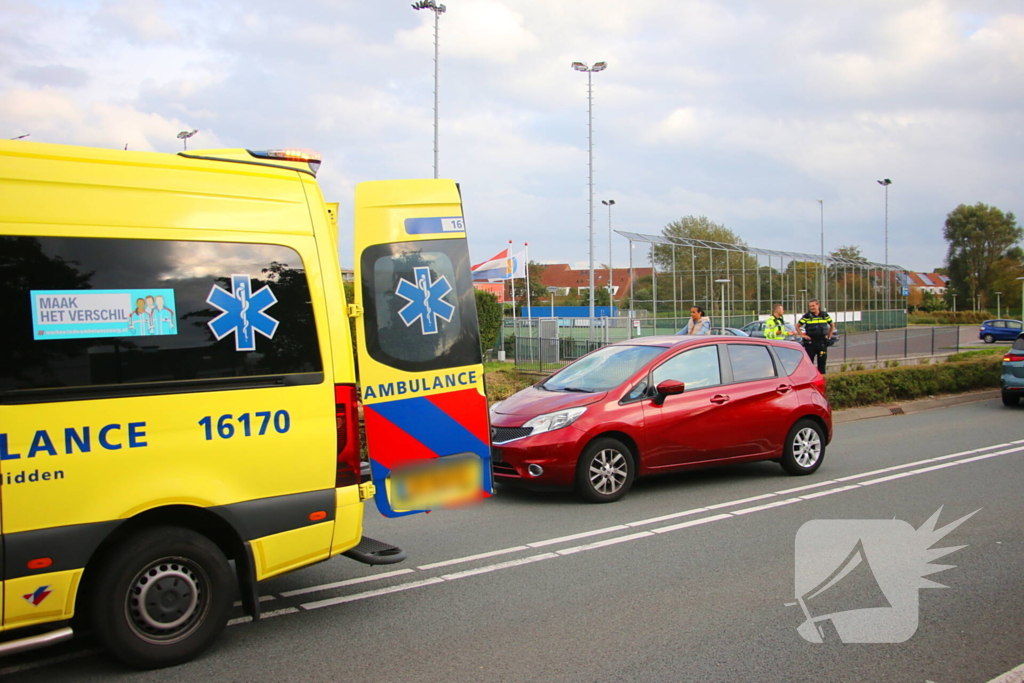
{"type": "Point", "coordinates": [867, 387]}
{"type": "Point", "coordinates": [950, 318]}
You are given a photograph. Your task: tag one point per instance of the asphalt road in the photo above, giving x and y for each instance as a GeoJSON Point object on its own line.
{"type": "Point", "coordinates": [690, 578]}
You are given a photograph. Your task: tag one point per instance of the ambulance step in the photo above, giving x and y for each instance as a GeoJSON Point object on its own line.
{"type": "Point", "coordinates": [370, 551]}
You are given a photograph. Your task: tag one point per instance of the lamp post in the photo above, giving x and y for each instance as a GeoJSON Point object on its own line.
{"type": "Point", "coordinates": [590, 71]}
{"type": "Point", "coordinates": [803, 300]}
{"type": "Point", "coordinates": [1021, 297]}
{"type": "Point", "coordinates": [886, 183]}
{"type": "Point", "coordinates": [438, 10]}
{"type": "Point", "coordinates": [723, 282]}
{"type": "Point", "coordinates": [609, 203]}
{"type": "Point", "coordinates": [822, 287]}
{"type": "Point", "coordinates": [954, 299]}
{"type": "Point", "coordinates": [551, 293]}
{"type": "Point", "coordinates": [185, 135]}
{"type": "Point", "coordinates": [999, 304]}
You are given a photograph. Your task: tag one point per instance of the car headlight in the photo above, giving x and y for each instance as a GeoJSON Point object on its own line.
{"type": "Point", "coordinates": [553, 421]}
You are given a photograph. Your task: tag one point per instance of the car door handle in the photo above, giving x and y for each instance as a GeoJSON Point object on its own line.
{"type": "Point", "coordinates": [783, 388]}
{"type": "Point", "coordinates": [719, 399]}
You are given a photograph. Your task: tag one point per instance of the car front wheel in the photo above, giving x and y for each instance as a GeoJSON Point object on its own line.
{"type": "Point", "coordinates": [988, 338]}
{"type": "Point", "coordinates": [162, 597]}
{"type": "Point", "coordinates": [805, 448]}
{"type": "Point", "coordinates": [604, 472]}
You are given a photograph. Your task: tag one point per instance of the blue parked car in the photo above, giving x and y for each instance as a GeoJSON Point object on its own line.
{"type": "Point", "coordinates": [1012, 380]}
{"type": "Point", "coordinates": [1000, 330]}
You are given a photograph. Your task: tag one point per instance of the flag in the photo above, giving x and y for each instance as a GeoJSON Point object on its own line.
{"type": "Point", "coordinates": [516, 266]}
{"type": "Point", "coordinates": [494, 268]}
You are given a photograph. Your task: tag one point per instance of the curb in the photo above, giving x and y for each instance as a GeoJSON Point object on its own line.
{"type": "Point", "coordinates": [1013, 676]}
{"type": "Point", "coordinates": [891, 409]}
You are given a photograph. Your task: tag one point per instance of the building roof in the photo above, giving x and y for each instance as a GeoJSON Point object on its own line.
{"type": "Point", "coordinates": [561, 275]}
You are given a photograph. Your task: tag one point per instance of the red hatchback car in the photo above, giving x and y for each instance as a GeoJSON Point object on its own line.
{"type": "Point", "coordinates": [662, 404]}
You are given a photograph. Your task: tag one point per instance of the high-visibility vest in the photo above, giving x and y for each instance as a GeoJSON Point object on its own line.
{"type": "Point", "coordinates": [775, 328]}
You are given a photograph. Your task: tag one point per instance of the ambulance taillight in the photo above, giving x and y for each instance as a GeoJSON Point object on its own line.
{"type": "Point", "coordinates": [348, 435]}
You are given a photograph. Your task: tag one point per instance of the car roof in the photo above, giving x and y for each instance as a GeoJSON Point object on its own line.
{"type": "Point", "coordinates": [668, 341]}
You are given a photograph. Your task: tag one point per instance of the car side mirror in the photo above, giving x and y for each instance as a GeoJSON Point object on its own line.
{"type": "Point", "coordinates": [669, 387]}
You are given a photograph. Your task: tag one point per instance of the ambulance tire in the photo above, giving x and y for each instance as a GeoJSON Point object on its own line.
{"type": "Point", "coordinates": [162, 597]}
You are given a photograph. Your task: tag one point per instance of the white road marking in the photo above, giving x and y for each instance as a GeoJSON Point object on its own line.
{"type": "Point", "coordinates": [663, 518]}
{"type": "Point", "coordinates": [265, 615]}
{"type": "Point", "coordinates": [470, 558]}
{"type": "Point", "coordinates": [573, 537]}
{"type": "Point", "coordinates": [347, 582]}
{"type": "Point", "coordinates": [692, 522]}
{"type": "Point", "coordinates": [371, 594]}
{"type": "Point", "coordinates": [601, 544]}
{"type": "Point", "coordinates": [501, 565]}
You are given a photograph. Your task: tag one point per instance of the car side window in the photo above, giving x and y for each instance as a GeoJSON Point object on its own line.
{"type": "Point", "coordinates": [790, 358]}
{"type": "Point", "coordinates": [695, 368]}
{"type": "Point", "coordinates": [637, 392]}
{"type": "Point", "coordinates": [1013, 325]}
{"type": "Point", "coordinates": [751, 362]}
{"type": "Point", "coordinates": [997, 323]}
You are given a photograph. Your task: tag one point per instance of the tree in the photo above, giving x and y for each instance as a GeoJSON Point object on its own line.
{"type": "Point", "coordinates": [688, 273]}
{"type": "Point", "coordinates": [983, 249]}
{"type": "Point", "coordinates": [847, 251]}
{"type": "Point", "coordinates": [489, 317]}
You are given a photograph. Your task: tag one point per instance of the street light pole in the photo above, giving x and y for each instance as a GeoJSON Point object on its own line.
{"type": "Point", "coordinates": [723, 282]}
{"type": "Point", "coordinates": [185, 135]}
{"type": "Point", "coordinates": [438, 10]}
{"type": "Point", "coordinates": [609, 203]}
{"type": "Point", "coordinates": [590, 70]}
{"type": "Point", "coordinates": [822, 287]}
{"type": "Point", "coordinates": [886, 183]}
{"type": "Point", "coordinates": [999, 304]}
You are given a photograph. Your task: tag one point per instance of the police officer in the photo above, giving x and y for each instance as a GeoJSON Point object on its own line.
{"type": "Point", "coordinates": [816, 328]}
{"type": "Point", "coordinates": [775, 326]}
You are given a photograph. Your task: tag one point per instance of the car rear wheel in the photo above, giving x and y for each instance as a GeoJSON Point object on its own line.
{"type": "Point", "coordinates": [162, 597]}
{"type": "Point", "coordinates": [805, 448]}
{"type": "Point", "coordinates": [988, 338]}
{"type": "Point", "coordinates": [605, 471]}
{"type": "Point", "coordinates": [1011, 399]}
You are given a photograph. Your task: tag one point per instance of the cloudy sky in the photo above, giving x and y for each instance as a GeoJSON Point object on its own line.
{"type": "Point", "coordinates": [746, 112]}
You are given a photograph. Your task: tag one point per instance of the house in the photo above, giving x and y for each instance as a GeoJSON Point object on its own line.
{"type": "Point", "coordinates": [933, 283]}
{"type": "Point", "coordinates": [578, 281]}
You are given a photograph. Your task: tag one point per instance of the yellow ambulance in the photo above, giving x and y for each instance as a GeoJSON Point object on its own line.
{"type": "Point", "coordinates": [178, 384]}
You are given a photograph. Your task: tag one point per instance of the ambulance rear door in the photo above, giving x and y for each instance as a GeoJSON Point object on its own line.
{"type": "Point", "coordinates": [419, 355]}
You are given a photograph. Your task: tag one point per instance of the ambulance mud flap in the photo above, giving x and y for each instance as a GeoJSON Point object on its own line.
{"type": "Point", "coordinates": [420, 370]}
{"type": "Point", "coordinates": [370, 551]}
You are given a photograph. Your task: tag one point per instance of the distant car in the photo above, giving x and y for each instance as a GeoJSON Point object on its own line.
{"type": "Point", "coordinates": [756, 329]}
{"type": "Point", "coordinates": [1011, 382]}
{"type": "Point", "coordinates": [724, 331]}
{"type": "Point", "coordinates": [1000, 330]}
{"type": "Point", "coordinates": [662, 404]}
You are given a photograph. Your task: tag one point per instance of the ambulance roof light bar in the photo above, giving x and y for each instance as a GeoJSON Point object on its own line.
{"type": "Point", "coordinates": [313, 158]}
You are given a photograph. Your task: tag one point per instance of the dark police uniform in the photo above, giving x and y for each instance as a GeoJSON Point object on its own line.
{"type": "Point", "coordinates": [816, 327]}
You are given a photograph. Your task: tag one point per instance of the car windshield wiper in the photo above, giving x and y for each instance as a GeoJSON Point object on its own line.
{"type": "Point", "coordinates": [579, 389]}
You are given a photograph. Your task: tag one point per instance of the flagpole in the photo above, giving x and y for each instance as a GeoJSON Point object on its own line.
{"type": "Point", "coordinates": [512, 280]}
{"type": "Point", "coordinates": [529, 301]}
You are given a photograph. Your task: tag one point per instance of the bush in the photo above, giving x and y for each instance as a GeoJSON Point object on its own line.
{"type": "Point", "coordinates": [972, 355]}
{"type": "Point", "coordinates": [489, 317]}
{"type": "Point", "coordinates": [949, 318]}
{"type": "Point", "coordinates": [869, 387]}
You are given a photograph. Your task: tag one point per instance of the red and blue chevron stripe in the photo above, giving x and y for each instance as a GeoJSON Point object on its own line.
{"type": "Point", "coordinates": [410, 430]}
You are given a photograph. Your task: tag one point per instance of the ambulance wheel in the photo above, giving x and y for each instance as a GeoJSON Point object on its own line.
{"type": "Point", "coordinates": [162, 597]}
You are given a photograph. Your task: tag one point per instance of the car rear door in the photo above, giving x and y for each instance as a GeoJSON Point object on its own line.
{"type": "Point", "coordinates": [762, 398]}
{"type": "Point", "coordinates": [420, 367]}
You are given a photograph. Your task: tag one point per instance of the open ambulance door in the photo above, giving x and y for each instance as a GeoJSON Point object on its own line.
{"type": "Point", "coordinates": [420, 369]}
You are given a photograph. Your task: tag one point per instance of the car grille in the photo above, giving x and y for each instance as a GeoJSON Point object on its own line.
{"type": "Point", "coordinates": [505, 434]}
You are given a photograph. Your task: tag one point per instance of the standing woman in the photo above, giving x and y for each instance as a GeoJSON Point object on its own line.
{"type": "Point", "coordinates": [698, 323]}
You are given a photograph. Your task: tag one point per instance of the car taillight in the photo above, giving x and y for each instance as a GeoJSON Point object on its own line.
{"type": "Point", "coordinates": [1013, 357]}
{"type": "Point", "coordinates": [346, 410]}
{"type": "Point", "coordinates": [819, 384]}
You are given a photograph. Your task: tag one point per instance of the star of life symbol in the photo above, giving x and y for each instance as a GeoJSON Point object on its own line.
{"type": "Point", "coordinates": [857, 580]}
{"type": "Point", "coordinates": [242, 312]}
{"type": "Point", "coordinates": [426, 300]}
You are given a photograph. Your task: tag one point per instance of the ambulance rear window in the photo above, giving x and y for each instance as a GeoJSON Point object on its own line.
{"type": "Point", "coordinates": [91, 317]}
{"type": "Point", "coordinates": [420, 305]}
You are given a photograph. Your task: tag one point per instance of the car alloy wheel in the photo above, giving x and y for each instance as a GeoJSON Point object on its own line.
{"type": "Point", "coordinates": [804, 449]}
{"type": "Point", "coordinates": [605, 471]}
{"type": "Point", "coordinates": [989, 338]}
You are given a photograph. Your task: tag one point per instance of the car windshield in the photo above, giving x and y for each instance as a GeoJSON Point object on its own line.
{"type": "Point", "coordinates": [602, 370]}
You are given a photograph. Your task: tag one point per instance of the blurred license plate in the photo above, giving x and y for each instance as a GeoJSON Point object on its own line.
{"type": "Point", "coordinates": [438, 483]}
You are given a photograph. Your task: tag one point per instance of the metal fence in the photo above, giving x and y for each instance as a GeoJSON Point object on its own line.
{"type": "Point", "coordinates": [545, 348]}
